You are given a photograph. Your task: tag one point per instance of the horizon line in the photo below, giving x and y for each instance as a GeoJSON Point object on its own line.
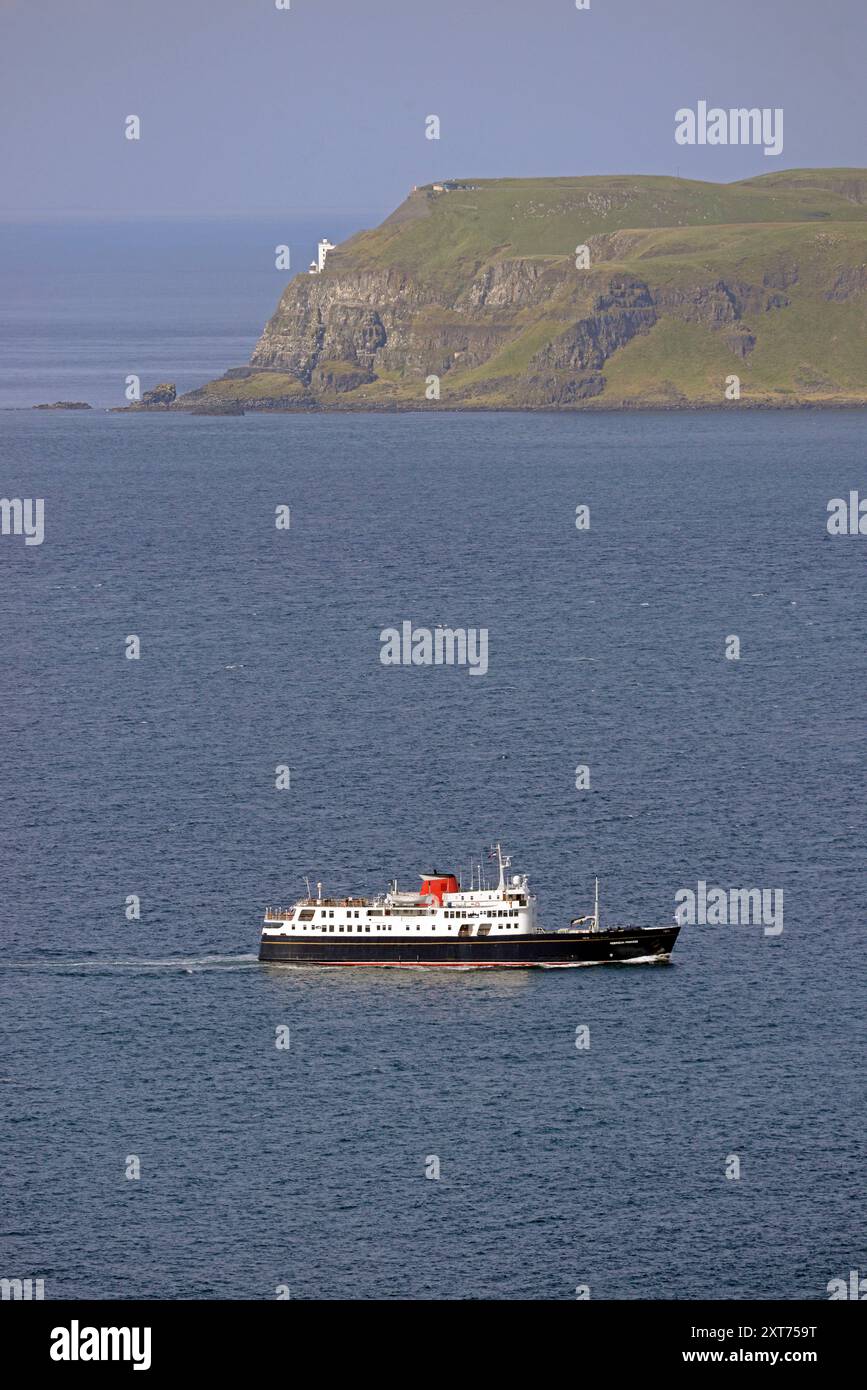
{"type": "Point", "coordinates": [13, 215]}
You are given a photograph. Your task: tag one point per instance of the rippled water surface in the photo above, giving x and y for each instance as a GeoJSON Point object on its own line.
{"type": "Point", "coordinates": [305, 1167]}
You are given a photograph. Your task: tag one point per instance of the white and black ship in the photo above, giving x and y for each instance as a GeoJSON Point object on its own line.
{"type": "Point", "coordinates": [446, 925]}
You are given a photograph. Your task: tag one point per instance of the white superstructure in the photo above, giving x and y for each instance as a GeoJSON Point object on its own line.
{"type": "Point", "coordinates": [440, 909]}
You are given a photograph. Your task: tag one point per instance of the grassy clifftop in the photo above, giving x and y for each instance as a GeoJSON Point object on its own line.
{"type": "Point", "coordinates": [686, 284]}
{"type": "Point", "coordinates": [542, 217]}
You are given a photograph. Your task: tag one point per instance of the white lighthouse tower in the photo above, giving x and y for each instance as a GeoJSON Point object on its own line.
{"type": "Point", "coordinates": [324, 247]}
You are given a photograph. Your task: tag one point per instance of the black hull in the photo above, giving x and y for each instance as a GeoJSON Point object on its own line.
{"type": "Point", "coordinates": [544, 948]}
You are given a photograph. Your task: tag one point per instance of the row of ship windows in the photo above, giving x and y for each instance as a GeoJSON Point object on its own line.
{"type": "Point", "coordinates": [308, 914]}
{"type": "Point", "coordinates": [388, 927]}
{"type": "Point", "coordinates": [504, 912]}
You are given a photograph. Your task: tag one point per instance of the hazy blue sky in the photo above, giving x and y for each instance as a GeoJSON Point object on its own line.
{"type": "Point", "coordinates": [245, 107]}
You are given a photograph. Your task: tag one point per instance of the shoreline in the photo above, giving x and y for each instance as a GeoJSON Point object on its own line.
{"type": "Point", "coordinates": [624, 408]}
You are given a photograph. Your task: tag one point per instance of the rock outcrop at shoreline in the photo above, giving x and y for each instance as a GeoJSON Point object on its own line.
{"type": "Point", "coordinates": [160, 397]}
{"type": "Point", "coordinates": [578, 294]}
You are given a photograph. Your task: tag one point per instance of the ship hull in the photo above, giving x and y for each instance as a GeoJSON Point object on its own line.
{"type": "Point", "coordinates": [649, 944]}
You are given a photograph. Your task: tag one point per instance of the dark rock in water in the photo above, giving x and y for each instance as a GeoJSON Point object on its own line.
{"type": "Point", "coordinates": [65, 405]}
{"type": "Point", "coordinates": [164, 394]}
{"type": "Point", "coordinates": [218, 408]}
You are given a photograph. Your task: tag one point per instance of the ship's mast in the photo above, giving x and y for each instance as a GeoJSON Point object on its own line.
{"type": "Point", "coordinates": [596, 905]}
{"type": "Point", "coordinates": [503, 863]}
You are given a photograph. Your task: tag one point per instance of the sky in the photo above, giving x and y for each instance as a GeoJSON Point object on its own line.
{"type": "Point", "coordinates": [246, 108]}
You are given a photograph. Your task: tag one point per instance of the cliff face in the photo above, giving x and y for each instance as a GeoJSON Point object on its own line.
{"type": "Point", "coordinates": [480, 289]}
{"type": "Point", "coordinates": [390, 320]}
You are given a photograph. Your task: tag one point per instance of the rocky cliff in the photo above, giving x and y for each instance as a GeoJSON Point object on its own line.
{"type": "Point", "coordinates": [579, 293]}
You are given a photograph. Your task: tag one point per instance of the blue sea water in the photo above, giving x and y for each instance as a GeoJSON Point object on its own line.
{"type": "Point", "coordinates": [305, 1166]}
{"type": "Point", "coordinates": [84, 304]}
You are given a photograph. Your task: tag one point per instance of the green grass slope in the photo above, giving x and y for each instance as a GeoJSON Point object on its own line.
{"type": "Point", "coordinates": [550, 217]}
{"type": "Point", "coordinates": [689, 283]}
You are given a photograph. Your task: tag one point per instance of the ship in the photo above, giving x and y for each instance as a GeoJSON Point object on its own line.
{"type": "Point", "coordinates": [446, 925]}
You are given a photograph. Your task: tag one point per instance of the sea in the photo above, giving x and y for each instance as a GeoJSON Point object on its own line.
{"type": "Point", "coordinates": [181, 1122]}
